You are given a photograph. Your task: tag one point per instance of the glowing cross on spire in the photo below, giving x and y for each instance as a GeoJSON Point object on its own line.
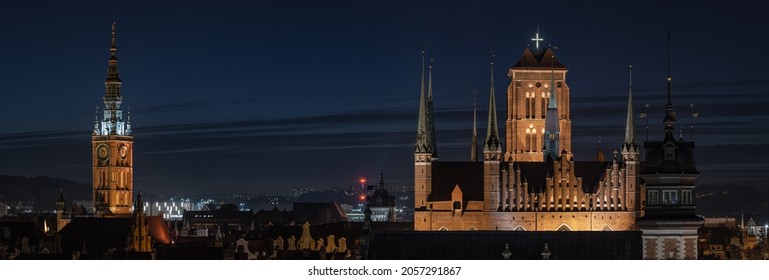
{"type": "Point", "coordinates": [536, 38]}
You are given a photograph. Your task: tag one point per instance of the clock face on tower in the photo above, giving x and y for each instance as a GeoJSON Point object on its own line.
{"type": "Point", "coordinates": [102, 152]}
{"type": "Point", "coordinates": [123, 152]}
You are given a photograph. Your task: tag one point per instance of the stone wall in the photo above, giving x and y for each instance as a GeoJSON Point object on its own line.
{"type": "Point", "coordinates": [529, 221]}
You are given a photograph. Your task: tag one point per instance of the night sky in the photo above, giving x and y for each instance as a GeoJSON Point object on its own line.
{"type": "Point", "coordinates": [234, 96]}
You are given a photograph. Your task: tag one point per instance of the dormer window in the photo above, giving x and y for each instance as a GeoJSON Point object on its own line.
{"type": "Point", "coordinates": [653, 197]}
{"type": "Point", "coordinates": [686, 197]}
{"type": "Point", "coordinates": [669, 197]}
{"type": "Point", "coordinates": [670, 153]}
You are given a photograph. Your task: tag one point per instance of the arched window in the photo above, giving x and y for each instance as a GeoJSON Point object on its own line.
{"type": "Point", "coordinates": [607, 228]}
{"type": "Point", "coordinates": [519, 228]}
{"type": "Point", "coordinates": [530, 105]}
{"type": "Point", "coordinates": [531, 139]}
{"type": "Point", "coordinates": [457, 206]}
{"type": "Point", "coordinates": [472, 229]}
{"type": "Point", "coordinates": [443, 229]}
{"type": "Point", "coordinates": [563, 227]}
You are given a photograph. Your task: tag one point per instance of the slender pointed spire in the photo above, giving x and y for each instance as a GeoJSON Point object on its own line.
{"type": "Point", "coordinates": [430, 111]}
{"type": "Point", "coordinates": [422, 144]}
{"type": "Point", "coordinates": [600, 156]}
{"type": "Point", "coordinates": [128, 123]}
{"type": "Point", "coordinates": [138, 208]}
{"type": "Point", "coordinates": [113, 80]}
{"type": "Point", "coordinates": [552, 127]}
{"type": "Point", "coordinates": [113, 48]}
{"type": "Point", "coordinates": [422, 87]}
{"type": "Point", "coordinates": [492, 134]}
{"type": "Point", "coordinates": [381, 183]}
{"type": "Point", "coordinates": [670, 114]}
{"type": "Point", "coordinates": [96, 122]}
{"type": "Point", "coordinates": [474, 149]}
{"type": "Point", "coordinates": [61, 203]}
{"type": "Point", "coordinates": [629, 123]}
{"type": "Point", "coordinates": [553, 103]}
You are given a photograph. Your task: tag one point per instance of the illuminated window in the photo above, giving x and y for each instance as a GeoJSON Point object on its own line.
{"type": "Point", "coordinates": [669, 197]}
{"type": "Point", "coordinates": [529, 105]}
{"type": "Point", "coordinates": [531, 139]}
{"type": "Point", "coordinates": [653, 197]}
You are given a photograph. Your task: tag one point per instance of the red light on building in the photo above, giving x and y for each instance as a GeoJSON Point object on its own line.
{"type": "Point", "coordinates": [362, 180]}
{"type": "Point", "coordinates": [362, 197]}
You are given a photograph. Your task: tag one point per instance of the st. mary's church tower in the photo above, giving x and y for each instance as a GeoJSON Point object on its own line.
{"type": "Point", "coordinates": [528, 99]}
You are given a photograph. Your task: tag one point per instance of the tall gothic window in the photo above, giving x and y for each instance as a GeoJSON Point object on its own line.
{"type": "Point", "coordinates": [529, 105]}
{"type": "Point", "coordinates": [544, 104]}
{"type": "Point", "coordinates": [531, 139]}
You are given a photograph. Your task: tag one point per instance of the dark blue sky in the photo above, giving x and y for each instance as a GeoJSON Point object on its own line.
{"type": "Point", "coordinates": [234, 96]}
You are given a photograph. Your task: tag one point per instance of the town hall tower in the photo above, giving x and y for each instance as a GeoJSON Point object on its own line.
{"type": "Point", "coordinates": [112, 148]}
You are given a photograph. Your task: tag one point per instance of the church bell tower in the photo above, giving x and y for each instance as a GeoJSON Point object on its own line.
{"type": "Point", "coordinates": [112, 148]}
{"type": "Point", "coordinates": [536, 77]}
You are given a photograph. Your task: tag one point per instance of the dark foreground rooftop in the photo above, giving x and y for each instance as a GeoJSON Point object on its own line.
{"type": "Point", "coordinates": [489, 245]}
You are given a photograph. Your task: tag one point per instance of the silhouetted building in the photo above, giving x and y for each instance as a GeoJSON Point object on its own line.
{"type": "Point", "coordinates": [381, 203]}
{"type": "Point", "coordinates": [670, 222]}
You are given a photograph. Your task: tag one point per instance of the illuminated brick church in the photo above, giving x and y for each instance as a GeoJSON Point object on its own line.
{"type": "Point", "coordinates": [532, 183]}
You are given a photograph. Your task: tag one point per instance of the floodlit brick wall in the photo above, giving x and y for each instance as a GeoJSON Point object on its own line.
{"type": "Point", "coordinates": [530, 221]}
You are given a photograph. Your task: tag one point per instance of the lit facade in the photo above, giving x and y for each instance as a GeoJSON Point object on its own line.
{"type": "Point", "coordinates": [112, 148]}
{"type": "Point", "coordinates": [535, 185]}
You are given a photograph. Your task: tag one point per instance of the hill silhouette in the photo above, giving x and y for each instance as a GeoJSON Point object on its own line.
{"type": "Point", "coordinates": [44, 191]}
{"type": "Point", "coordinates": [732, 201]}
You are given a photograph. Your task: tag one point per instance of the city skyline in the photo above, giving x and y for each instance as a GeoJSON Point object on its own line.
{"type": "Point", "coordinates": [260, 98]}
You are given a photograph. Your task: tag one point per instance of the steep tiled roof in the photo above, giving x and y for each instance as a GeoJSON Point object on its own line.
{"type": "Point", "coordinates": [98, 234]}
{"type": "Point", "coordinates": [540, 59]}
{"type": "Point", "coordinates": [591, 173]}
{"type": "Point", "coordinates": [158, 230]}
{"type": "Point", "coordinates": [682, 163]}
{"type": "Point", "coordinates": [446, 175]}
{"type": "Point", "coordinates": [535, 173]}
